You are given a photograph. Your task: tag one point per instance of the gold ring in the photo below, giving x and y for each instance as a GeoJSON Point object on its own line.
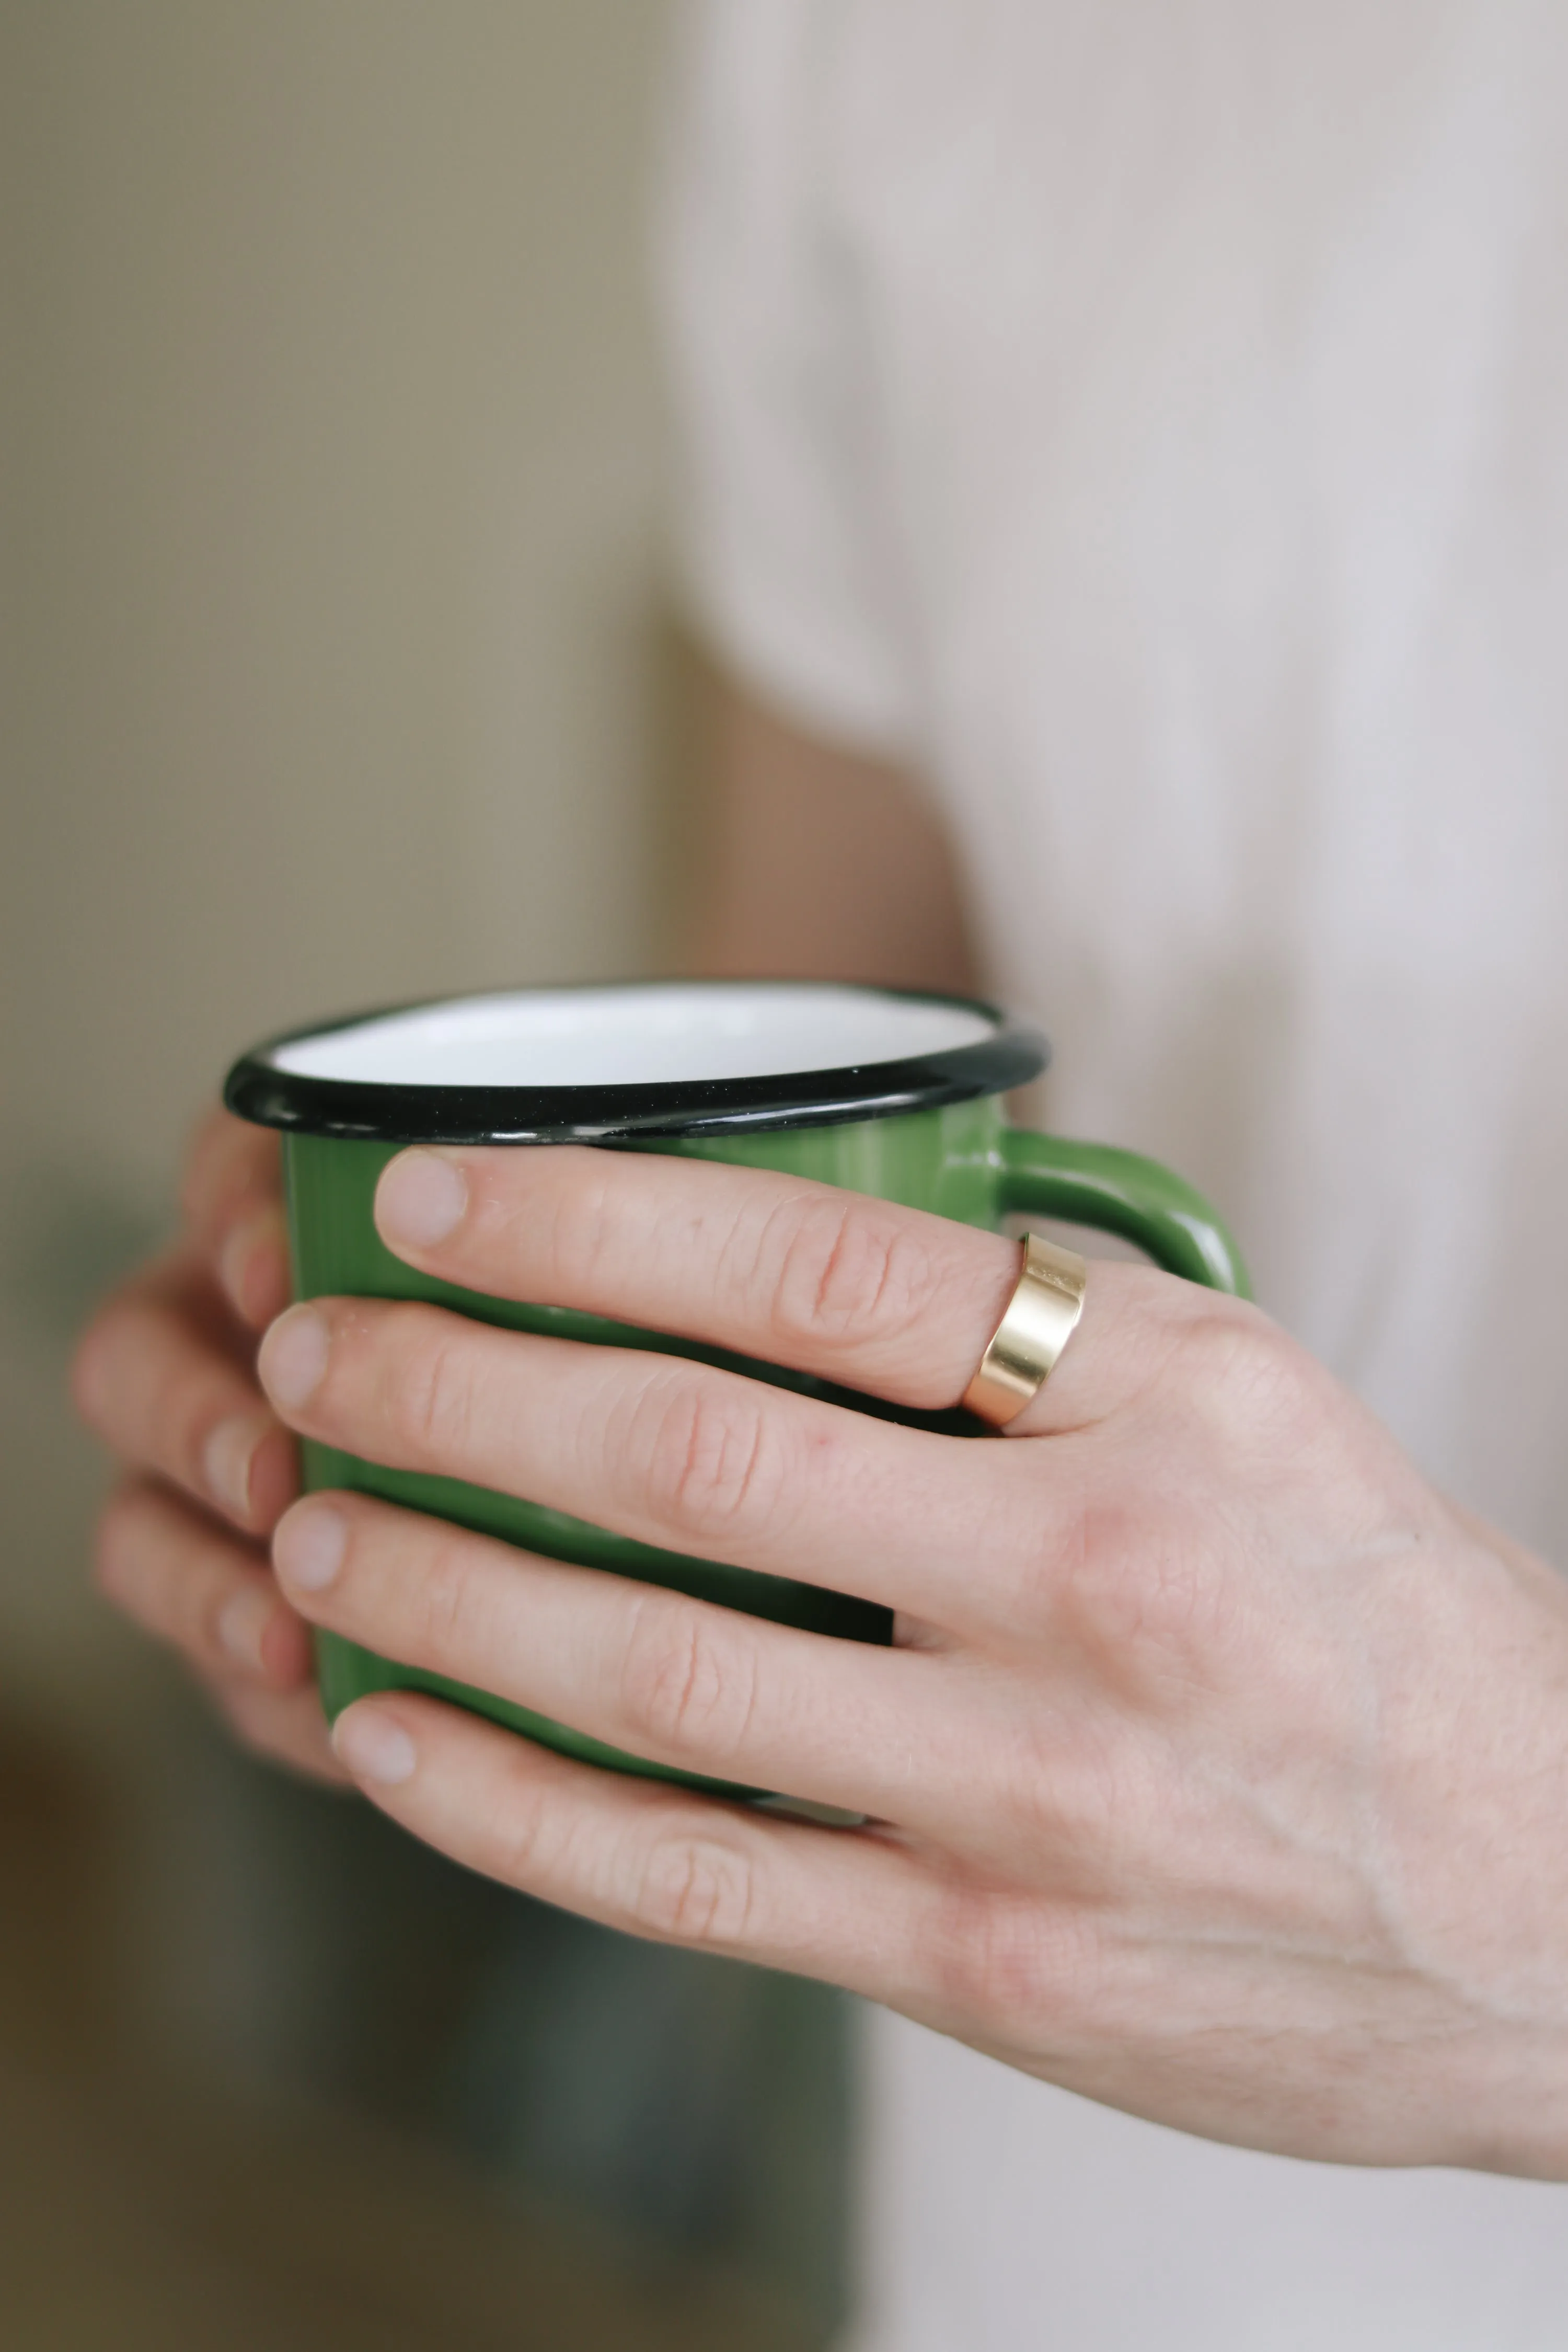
{"type": "Point", "coordinates": [1041, 1317]}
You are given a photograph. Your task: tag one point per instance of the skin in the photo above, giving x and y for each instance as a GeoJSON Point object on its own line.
{"type": "Point", "coordinates": [166, 1373]}
{"type": "Point", "coordinates": [1218, 1770]}
{"type": "Point", "coordinates": [168, 1361]}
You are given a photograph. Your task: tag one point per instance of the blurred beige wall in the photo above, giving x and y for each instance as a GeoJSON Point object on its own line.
{"type": "Point", "coordinates": [329, 602]}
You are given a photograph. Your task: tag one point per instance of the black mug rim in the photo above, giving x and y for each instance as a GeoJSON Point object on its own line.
{"type": "Point", "coordinates": [366, 1111]}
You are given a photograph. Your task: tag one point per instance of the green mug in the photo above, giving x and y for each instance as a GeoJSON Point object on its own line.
{"type": "Point", "coordinates": [879, 1091]}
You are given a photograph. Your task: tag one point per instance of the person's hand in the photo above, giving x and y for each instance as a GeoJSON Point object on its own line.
{"type": "Point", "coordinates": [1220, 1770]}
{"type": "Point", "coordinates": [165, 1374]}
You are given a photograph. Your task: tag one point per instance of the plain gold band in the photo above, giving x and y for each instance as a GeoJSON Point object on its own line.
{"type": "Point", "coordinates": [1041, 1317]}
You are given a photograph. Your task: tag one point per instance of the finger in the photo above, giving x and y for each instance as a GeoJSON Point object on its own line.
{"type": "Point", "coordinates": [683, 1869]}
{"type": "Point", "coordinates": [160, 1379]}
{"type": "Point", "coordinates": [670, 1452]}
{"type": "Point", "coordinates": [253, 1266]}
{"type": "Point", "coordinates": [194, 1585]}
{"type": "Point", "coordinates": [892, 1300]}
{"type": "Point", "coordinates": [678, 1681]}
{"type": "Point", "coordinates": [283, 1727]}
{"type": "Point", "coordinates": [233, 1170]}
{"type": "Point", "coordinates": [852, 1289]}
{"type": "Point", "coordinates": [233, 1200]}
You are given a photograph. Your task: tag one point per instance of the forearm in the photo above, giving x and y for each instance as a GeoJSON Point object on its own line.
{"type": "Point", "coordinates": [814, 860]}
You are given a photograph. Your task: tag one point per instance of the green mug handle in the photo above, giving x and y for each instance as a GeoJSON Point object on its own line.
{"type": "Point", "coordinates": [1119, 1192]}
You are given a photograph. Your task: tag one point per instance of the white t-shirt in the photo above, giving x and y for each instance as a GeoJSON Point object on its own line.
{"type": "Point", "coordinates": [1149, 420]}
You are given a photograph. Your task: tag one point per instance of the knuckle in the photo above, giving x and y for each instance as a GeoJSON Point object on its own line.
{"type": "Point", "coordinates": [215, 1135]}
{"type": "Point", "coordinates": [1070, 1790]}
{"type": "Point", "coordinates": [579, 1227]}
{"type": "Point", "coordinates": [705, 1450]}
{"type": "Point", "coordinates": [1141, 1582]}
{"type": "Point", "coordinates": [431, 1397]}
{"type": "Point", "coordinates": [1168, 1607]}
{"type": "Point", "coordinates": [997, 1958]}
{"type": "Point", "coordinates": [849, 1271]}
{"type": "Point", "coordinates": [521, 1838]}
{"type": "Point", "coordinates": [696, 1890]}
{"type": "Point", "coordinates": [1059, 1560]}
{"type": "Point", "coordinates": [226, 1161]}
{"type": "Point", "coordinates": [1245, 1375]}
{"type": "Point", "coordinates": [681, 1688]}
{"type": "Point", "coordinates": [442, 1601]}
{"type": "Point", "coordinates": [250, 1254]}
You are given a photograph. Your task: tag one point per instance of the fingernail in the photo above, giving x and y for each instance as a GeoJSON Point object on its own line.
{"type": "Point", "coordinates": [420, 1199]}
{"type": "Point", "coordinates": [226, 1459]}
{"type": "Point", "coordinates": [294, 1356]}
{"type": "Point", "coordinates": [239, 1258]}
{"type": "Point", "coordinates": [371, 1747]}
{"type": "Point", "coordinates": [309, 1547]}
{"type": "Point", "coordinates": [242, 1625]}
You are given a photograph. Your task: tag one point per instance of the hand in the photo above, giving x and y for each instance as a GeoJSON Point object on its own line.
{"type": "Point", "coordinates": [1220, 1770]}
{"type": "Point", "coordinates": [165, 1374]}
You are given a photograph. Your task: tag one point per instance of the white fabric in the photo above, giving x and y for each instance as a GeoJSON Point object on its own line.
{"type": "Point", "coordinates": [1150, 418]}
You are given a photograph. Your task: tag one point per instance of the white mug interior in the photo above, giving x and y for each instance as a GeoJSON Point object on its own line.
{"type": "Point", "coordinates": [671, 1032]}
